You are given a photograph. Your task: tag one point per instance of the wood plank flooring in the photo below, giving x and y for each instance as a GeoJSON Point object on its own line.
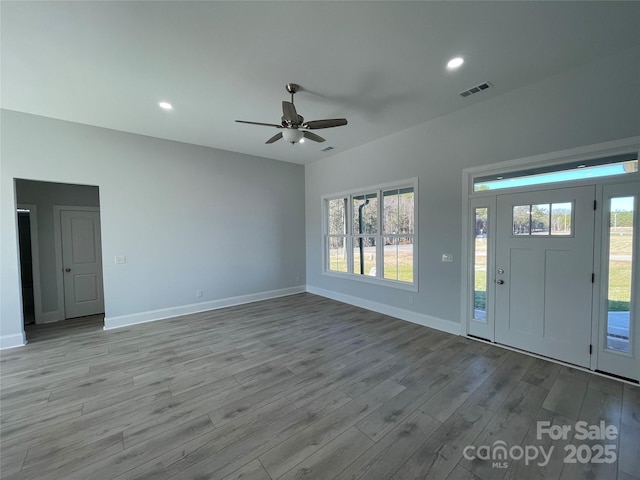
{"type": "Point", "coordinates": [299, 387]}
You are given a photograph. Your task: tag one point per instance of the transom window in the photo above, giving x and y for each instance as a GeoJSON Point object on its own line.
{"type": "Point", "coordinates": [370, 235]}
{"type": "Point", "coordinates": [623, 164]}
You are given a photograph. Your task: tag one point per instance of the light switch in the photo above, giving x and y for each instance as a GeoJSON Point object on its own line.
{"type": "Point", "coordinates": [120, 259]}
{"type": "Point", "coordinates": [447, 257]}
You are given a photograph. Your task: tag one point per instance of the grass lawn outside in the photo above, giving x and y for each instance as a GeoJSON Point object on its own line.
{"type": "Point", "coordinates": [619, 272]}
{"type": "Point", "coordinates": [398, 263]}
{"type": "Point", "coordinates": [620, 257]}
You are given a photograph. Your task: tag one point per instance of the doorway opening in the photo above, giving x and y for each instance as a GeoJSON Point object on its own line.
{"type": "Point", "coordinates": [60, 252]}
{"type": "Point", "coordinates": [26, 265]}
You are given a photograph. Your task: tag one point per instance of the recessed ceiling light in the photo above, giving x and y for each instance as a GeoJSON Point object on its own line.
{"type": "Point", "coordinates": [165, 105]}
{"type": "Point", "coordinates": [301, 140]}
{"type": "Point", "coordinates": [455, 63]}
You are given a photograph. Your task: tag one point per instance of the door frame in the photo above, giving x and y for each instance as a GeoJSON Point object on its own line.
{"type": "Point", "coordinates": [472, 200]}
{"type": "Point", "coordinates": [57, 234]}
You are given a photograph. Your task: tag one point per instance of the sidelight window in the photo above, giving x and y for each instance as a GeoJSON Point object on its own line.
{"type": "Point", "coordinates": [480, 252]}
{"type": "Point", "coordinates": [620, 272]}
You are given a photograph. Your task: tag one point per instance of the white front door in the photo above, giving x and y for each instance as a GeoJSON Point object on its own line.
{"type": "Point", "coordinates": [543, 272]}
{"type": "Point", "coordinates": [81, 263]}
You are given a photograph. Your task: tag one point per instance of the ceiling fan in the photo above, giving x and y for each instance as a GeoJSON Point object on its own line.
{"type": "Point", "coordinates": [294, 127]}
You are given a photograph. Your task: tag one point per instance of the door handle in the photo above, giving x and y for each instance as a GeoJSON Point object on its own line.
{"type": "Point", "coordinates": [67, 269]}
{"type": "Point", "coordinates": [500, 282]}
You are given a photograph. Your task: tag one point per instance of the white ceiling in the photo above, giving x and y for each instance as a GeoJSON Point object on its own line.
{"type": "Point", "coordinates": [379, 64]}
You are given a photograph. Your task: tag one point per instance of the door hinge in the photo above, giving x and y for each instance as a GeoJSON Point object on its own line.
{"type": "Point", "coordinates": [595, 204]}
{"type": "Point", "coordinates": [593, 278]}
{"type": "Point", "coordinates": [590, 349]}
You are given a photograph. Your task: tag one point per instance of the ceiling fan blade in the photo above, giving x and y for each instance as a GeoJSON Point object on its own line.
{"type": "Point", "coordinates": [312, 136]}
{"type": "Point", "coordinates": [260, 123]}
{"type": "Point", "coordinates": [328, 123]}
{"type": "Point", "coordinates": [275, 138]}
{"type": "Point", "coordinates": [289, 113]}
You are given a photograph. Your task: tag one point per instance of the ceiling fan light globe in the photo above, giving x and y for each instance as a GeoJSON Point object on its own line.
{"type": "Point", "coordinates": [292, 135]}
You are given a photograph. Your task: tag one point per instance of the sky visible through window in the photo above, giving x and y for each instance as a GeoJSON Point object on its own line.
{"type": "Point", "coordinates": [622, 204]}
{"type": "Point", "coordinates": [553, 177]}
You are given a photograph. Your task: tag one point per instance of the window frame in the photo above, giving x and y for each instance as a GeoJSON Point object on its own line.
{"type": "Point", "coordinates": [379, 236]}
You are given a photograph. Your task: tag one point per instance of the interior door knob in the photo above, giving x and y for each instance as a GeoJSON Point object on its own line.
{"type": "Point", "coordinates": [67, 269]}
{"type": "Point", "coordinates": [500, 282]}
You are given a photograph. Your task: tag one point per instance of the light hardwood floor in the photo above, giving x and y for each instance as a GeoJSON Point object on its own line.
{"type": "Point", "coordinates": [299, 387]}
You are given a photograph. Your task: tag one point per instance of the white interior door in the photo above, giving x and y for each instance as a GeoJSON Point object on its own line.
{"type": "Point", "coordinates": [619, 332]}
{"type": "Point", "coordinates": [81, 263]}
{"type": "Point", "coordinates": [543, 272]}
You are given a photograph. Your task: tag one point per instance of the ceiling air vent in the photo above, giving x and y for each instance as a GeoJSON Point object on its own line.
{"type": "Point", "coordinates": [326, 149]}
{"type": "Point", "coordinates": [476, 89]}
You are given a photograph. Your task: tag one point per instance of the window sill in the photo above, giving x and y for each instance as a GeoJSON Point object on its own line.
{"type": "Point", "coordinates": [410, 287]}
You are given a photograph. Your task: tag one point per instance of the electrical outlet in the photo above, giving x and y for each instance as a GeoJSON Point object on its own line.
{"type": "Point", "coordinates": [198, 293]}
{"type": "Point", "coordinates": [120, 259]}
{"type": "Point", "coordinates": [298, 278]}
{"type": "Point", "coordinates": [447, 257]}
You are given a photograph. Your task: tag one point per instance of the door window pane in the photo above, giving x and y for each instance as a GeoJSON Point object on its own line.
{"type": "Point", "coordinates": [561, 218]}
{"type": "Point", "coordinates": [521, 219]}
{"type": "Point", "coordinates": [480, 265]}
{"type": "Point", "coordinates": [621, 253]}
{"type": "Point", "coordinates": [540, 219]}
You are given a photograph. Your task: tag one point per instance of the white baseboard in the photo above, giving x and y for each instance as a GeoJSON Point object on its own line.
{"type": "Point", "coordinates": [12, 341]}
{"type": "Point", "coordinates": [413, 317]}
{"type": "Point", "coordinates": [153, 315]}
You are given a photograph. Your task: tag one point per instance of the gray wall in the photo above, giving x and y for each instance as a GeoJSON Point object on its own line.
{"type": "Point", "coordinates": [595, 103]}
{"type": "Point", "coordinates": [45, 195]}
{"type": "Point", "coordinates": [186, 217]}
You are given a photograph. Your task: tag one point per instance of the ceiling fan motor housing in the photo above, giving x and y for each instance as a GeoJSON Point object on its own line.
{"type": "Point", "coordinates": [292, 135]}
{"type": "Point", "coordinates": [285, 122]}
